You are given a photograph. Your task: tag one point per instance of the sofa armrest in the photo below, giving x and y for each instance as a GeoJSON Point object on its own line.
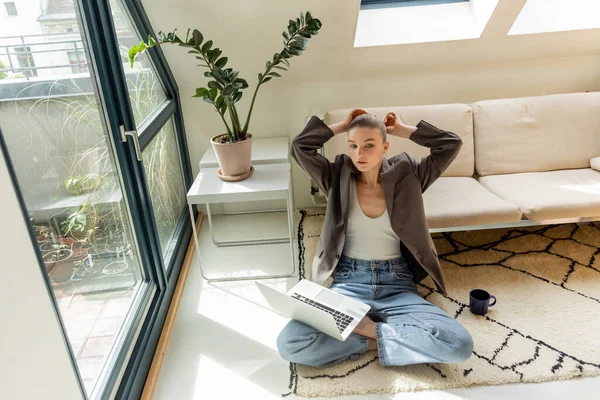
{"type": "Point", "coordinates": [595, 163]}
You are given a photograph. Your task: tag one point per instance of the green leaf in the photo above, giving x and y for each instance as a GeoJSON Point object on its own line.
{"type": "Point", "coordinates": [301, 18]}
{"type": "Point", "coordinates": [314, 24]}
{"type": "Point", "coordinates": [208, 74]}
{"type": "Point", "coordinates": [268, 64]}
{"type": "Point", "coordinates": [201, 92]}
{"type": "Point", "coordinates": [285, 35]}
{"type": "Point", "coordinates": [293, 51]}
{"type": "Point", "coordinates": [308, 17]}
{"type": "Point", "coordinates": [207, 46]}
{"type": "Point", "coordinates": [280, 67]}
{"type": "Point", "coordinates": [212, 94]}
{"type": "Point", "coordinates": [214, 54]}
{"type": "Point", "coordinates": [217, 73]}
{"type": "Point", "coordinates": [176, 39]}
{"type": "Point", "coordinates": [297, 45]}
{"type": "Point", "coordinates": [207, 99]}
{"type": "Point", "coordinates": [215, 84]}
{"type": "Point", "coordinates": [267, 79]}
{"type": "Point", "coordinates": [132, 53]}
{"type": "Point", "coordinates": [260, 77]}
{"type": "Point", "coordinates": [243, 82]}
{"type": "Point", "coordinates": [274, 74]}
{"type": "Point", "coordinates": [151, 41]}
{"type": "Point", "coordinates": [221, 62]}
{"type": "Point", "coordinates": [224, 108]}
{"type": "Point", "coordinates": [219, 101]}
{"type": "Point", "coordinates": [197, 37]}
{"type": "Point", "coordinates": [210, 55]}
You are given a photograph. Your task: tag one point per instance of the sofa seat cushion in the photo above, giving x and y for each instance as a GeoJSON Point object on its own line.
{"type": "Point", "coordinates": [461, 201]}
{"type": "Point", "coordinates": [550, 195]}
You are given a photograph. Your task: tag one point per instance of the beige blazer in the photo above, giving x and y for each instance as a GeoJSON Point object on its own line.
{"type": "Point", "coordinates": [404, 180]}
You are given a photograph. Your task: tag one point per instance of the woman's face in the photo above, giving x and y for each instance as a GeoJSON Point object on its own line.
{"type": "Point", "coordinates": [366, 147]}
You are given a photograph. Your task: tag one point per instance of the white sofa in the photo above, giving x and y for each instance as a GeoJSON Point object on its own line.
{"type": "Point", "coordinates": [524, 161]}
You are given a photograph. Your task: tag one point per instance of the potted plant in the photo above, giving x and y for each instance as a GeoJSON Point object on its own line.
{"type": "Point", "coordinates": [81, 184]}
{"type": "Point", "coordinates": [224, 89]}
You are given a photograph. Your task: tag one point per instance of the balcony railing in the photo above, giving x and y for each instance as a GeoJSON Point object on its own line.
{"type": "Point", "coordinates": [20, 52]}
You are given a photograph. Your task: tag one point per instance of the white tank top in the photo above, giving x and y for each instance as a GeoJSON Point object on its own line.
{"type": "Point", "coordinates": [369, 238]}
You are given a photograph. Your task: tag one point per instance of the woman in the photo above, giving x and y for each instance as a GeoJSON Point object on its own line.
{"type": "Point", "coordinates": [375, 218]}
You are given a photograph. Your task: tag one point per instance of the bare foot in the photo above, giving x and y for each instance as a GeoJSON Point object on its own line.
{"type": "Point", "coordinates": [366, 327]}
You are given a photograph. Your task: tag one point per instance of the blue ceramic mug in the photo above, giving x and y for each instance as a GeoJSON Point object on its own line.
{"type": "Point", "coordinates": [480, 301]}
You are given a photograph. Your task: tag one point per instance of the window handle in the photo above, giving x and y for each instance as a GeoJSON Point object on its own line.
{"type": "Point", "coordinates": [136, 142]}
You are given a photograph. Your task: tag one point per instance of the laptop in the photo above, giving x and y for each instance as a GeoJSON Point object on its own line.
{"type": "Point", "coordinates": [319, 307]}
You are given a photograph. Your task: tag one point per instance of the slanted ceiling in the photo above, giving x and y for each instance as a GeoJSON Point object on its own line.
{"type": "Point", "coordinates": [249, 32]}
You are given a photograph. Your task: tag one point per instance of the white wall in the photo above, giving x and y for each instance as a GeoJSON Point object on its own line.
{"type": "Point", "coordinates": [333, 74]}
{"type": "Point", "coordinates": [34, 357]}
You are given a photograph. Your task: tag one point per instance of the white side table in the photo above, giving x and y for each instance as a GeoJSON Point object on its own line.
{"type": "Point", "coordinates": [264, 151]}
{"type": "Point", "coordinates": [267, 182]}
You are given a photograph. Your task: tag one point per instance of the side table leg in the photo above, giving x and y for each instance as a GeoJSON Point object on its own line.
{"type": "Point", "coordinates": [195, 233]}
{"type": "Point", "coordinates": [290, 213]}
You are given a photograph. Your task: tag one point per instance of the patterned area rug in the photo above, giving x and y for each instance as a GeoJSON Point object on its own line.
{"type": "Point", "coordinates": [544, 326]}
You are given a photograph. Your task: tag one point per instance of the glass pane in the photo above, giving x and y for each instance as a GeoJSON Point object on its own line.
{"type": "Point", "coordinates": [70, 180]}
{"type": "Point", "coordinates": [145, 90]}
{"type": "Point", "coordinates": [165, 182]}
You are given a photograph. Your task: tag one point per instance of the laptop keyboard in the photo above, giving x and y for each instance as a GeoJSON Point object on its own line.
{"type": "Point", "coordinates": [342, 320]}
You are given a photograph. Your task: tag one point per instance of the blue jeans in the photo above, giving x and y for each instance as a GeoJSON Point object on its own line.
{"type": "Point", "coordinates": [410, 330]}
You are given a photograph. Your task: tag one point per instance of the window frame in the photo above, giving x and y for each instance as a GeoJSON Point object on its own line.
{"type": "Point", "coordinates": [8, 11]}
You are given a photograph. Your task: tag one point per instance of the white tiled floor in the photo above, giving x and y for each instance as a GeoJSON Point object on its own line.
{"type": "Point", "coordinates": [223, 342]}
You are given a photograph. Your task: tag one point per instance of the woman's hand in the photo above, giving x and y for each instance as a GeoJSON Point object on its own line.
{"type": "Point", "coordinates": [394, 126]}
{"type": "Point", "coordinates": [353, 114]}
{"type": "Point", "coordinates": [392, 122]}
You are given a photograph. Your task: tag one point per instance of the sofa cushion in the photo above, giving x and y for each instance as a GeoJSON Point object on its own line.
{"type": "Point", "coordinates": [459, 201]}
{"type": "Point", "coordinates": [595, 163]}
{"type": "Point", "coordinates": [550, 195]}
{"type": "Point", "coordinates": [534, 134]}
{"type": "Point", "coordinates": [456, 118]}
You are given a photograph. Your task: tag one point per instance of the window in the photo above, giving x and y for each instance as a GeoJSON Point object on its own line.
{"type": "Point", "coordinates": [110, 263]}
{"type": "Point", "coordinates": [11, 8]}
{"type": "Point", "coordinates": [364, 4]}
{"type": "Point", "coordinates": [25, 60]}
{"type": "Point", "coordinates": [78, 61]}
{"type": "Point", "coordinates": [540, 16]}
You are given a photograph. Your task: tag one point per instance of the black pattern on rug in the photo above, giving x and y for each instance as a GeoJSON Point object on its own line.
{"type": "Point", "coordinates": [459, 247]}
{"type": "Point", "coordinates": [293, 383]}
